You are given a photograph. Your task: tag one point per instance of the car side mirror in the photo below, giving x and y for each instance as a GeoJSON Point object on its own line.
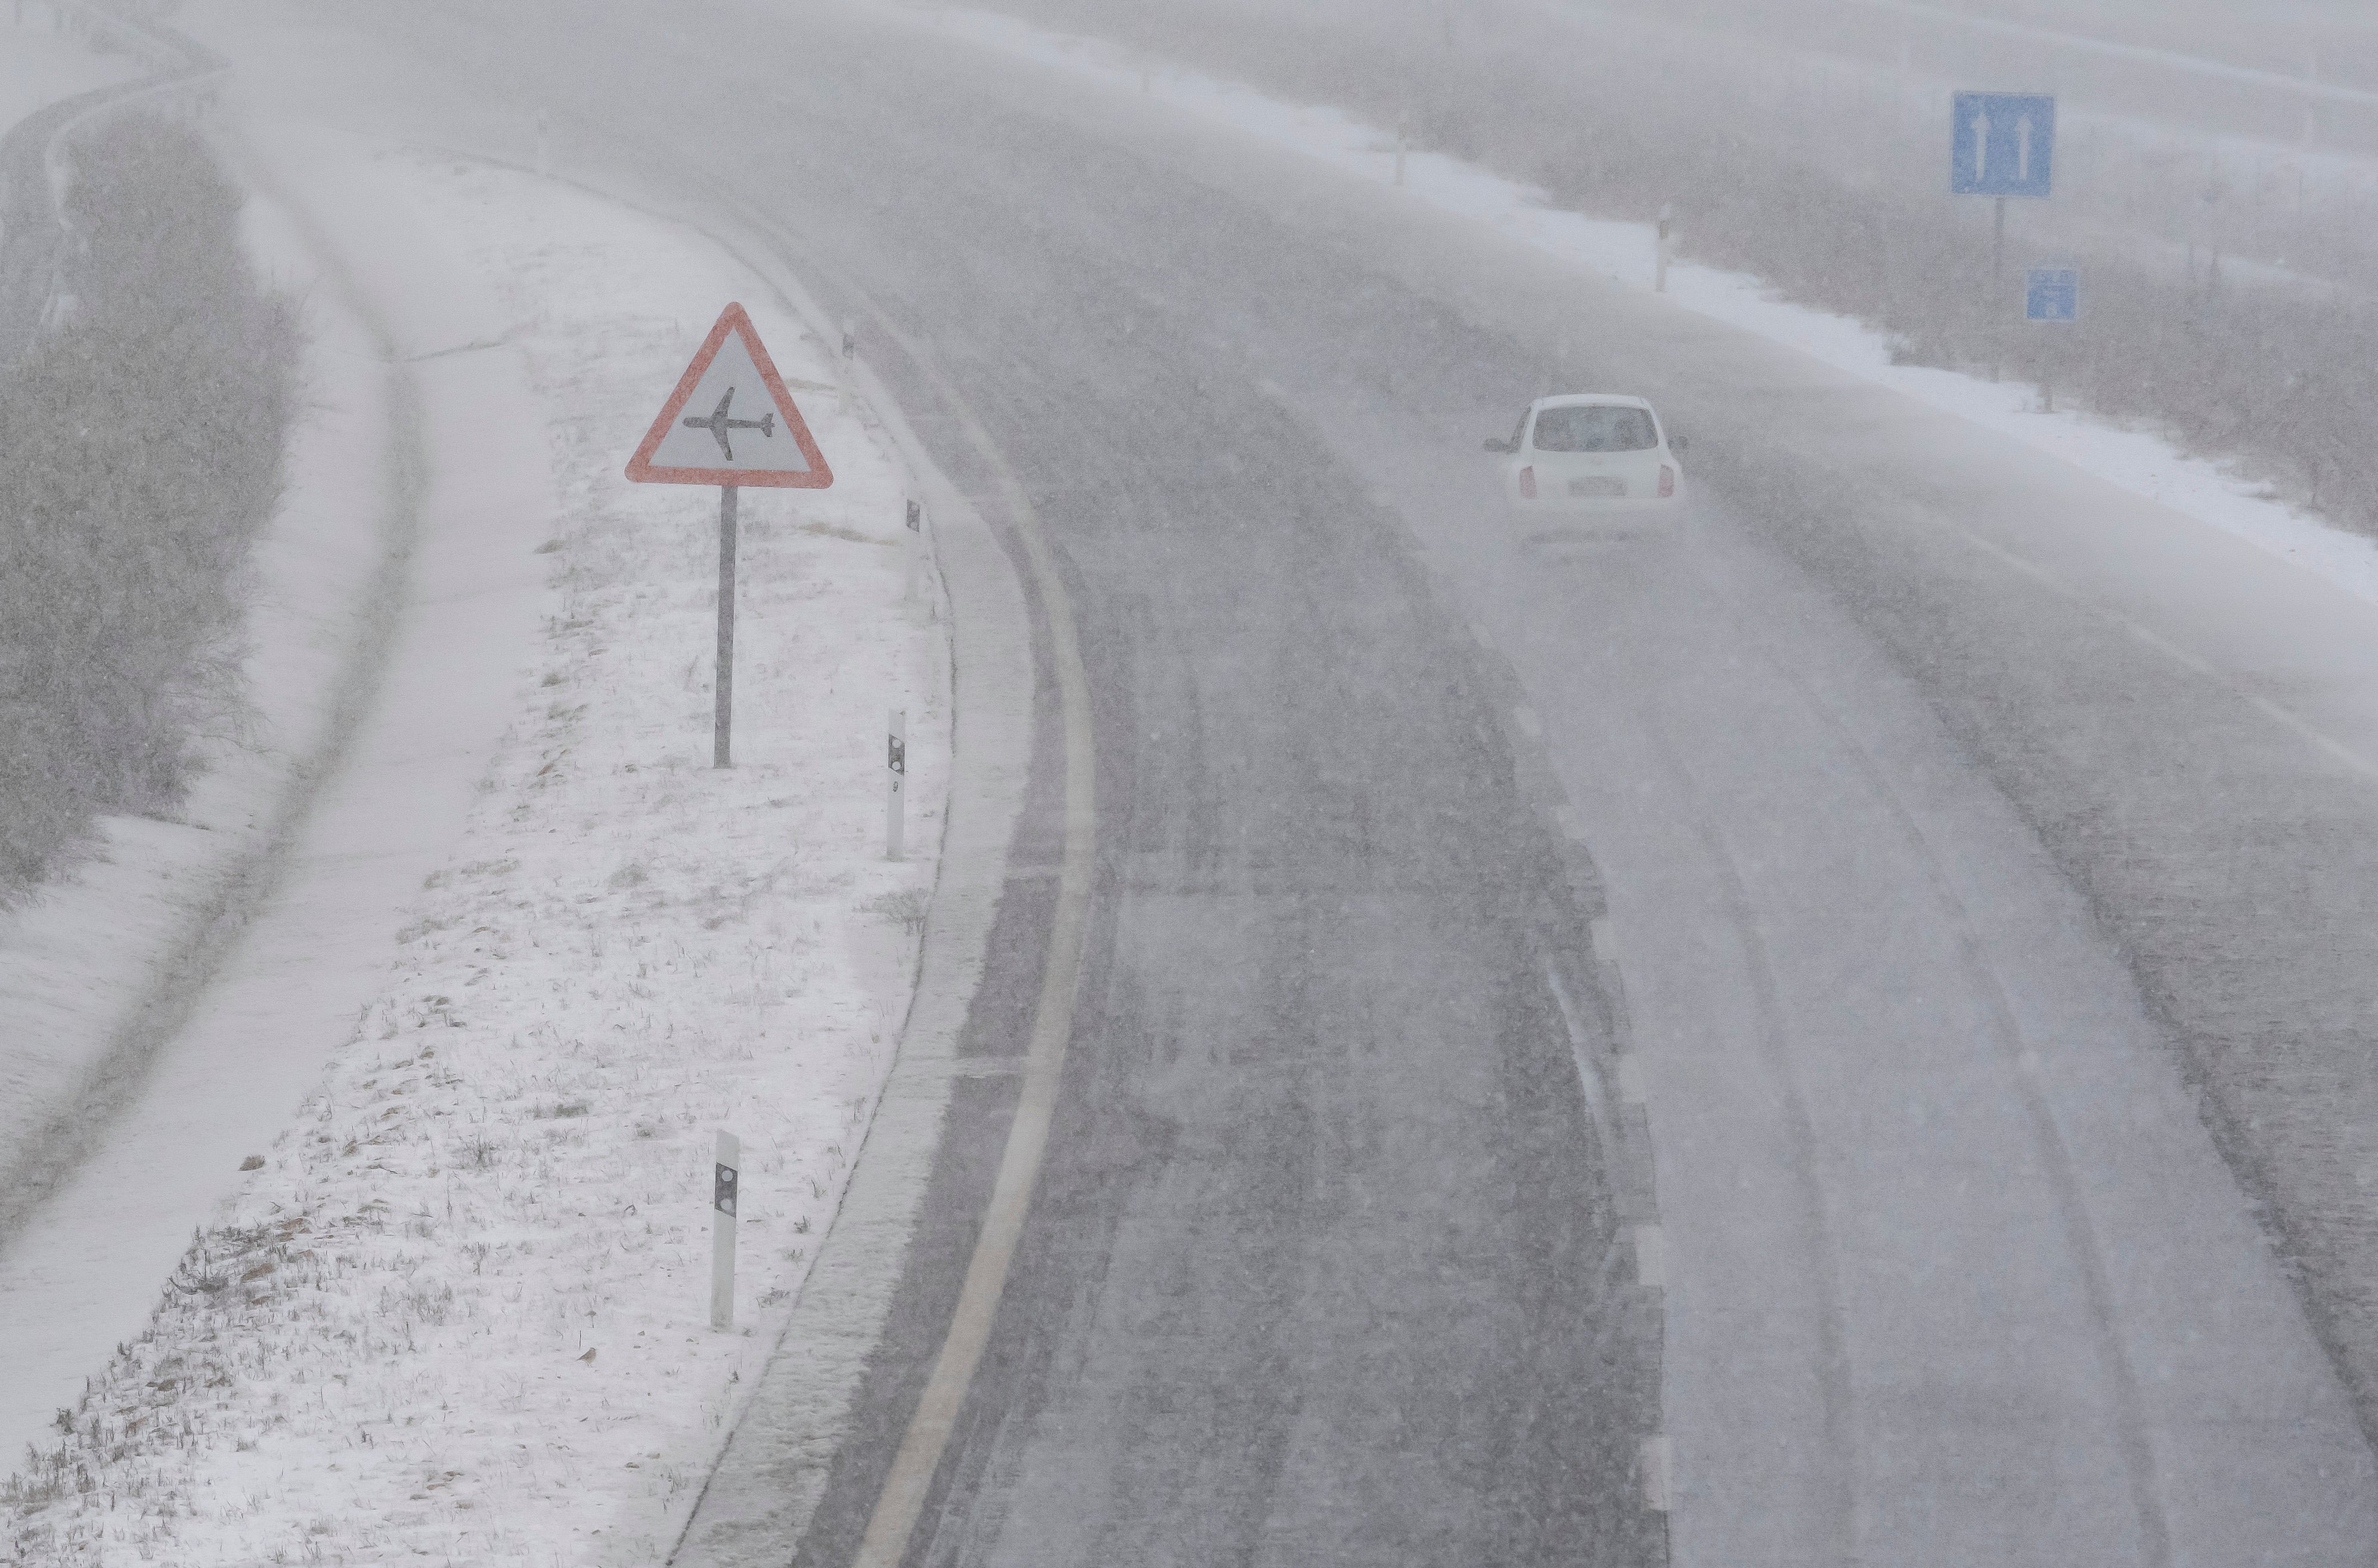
{"type": "Point", "coordinates": [1498, 444]}
{"type": "Point", "coordinates": [1676, 444]}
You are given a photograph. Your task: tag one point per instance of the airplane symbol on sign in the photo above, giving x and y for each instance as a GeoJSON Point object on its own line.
{"type": "Point", "coordinates": [786, 457]}
{"type": "Point", "coordinates": [718, 424]}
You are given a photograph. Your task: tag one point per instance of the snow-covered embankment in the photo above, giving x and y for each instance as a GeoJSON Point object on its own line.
{"type": "Point", "coordinates": [460, 1309]}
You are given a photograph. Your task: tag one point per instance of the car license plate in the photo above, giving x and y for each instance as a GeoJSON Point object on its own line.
{"type": "Point", "coordinates": [1599, 485]}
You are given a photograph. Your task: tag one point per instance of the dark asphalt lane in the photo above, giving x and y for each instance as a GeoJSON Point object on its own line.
{"type": "Point", "coordinates": [1322, 1220]}
{"type": "Point", "coordinates": [1939, 871]}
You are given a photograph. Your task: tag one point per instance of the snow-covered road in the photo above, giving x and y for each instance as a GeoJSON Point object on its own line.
{"type": "Point", "coordinates": [1960, 822]}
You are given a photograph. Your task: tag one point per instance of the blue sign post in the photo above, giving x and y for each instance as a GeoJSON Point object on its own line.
{"type": "Point", "coordinates": [2051, 294]}
{"type": "Point", "coordinates": [2002, 144]}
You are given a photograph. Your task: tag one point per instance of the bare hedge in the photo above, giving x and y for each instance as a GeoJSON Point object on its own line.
{"type": "Point", "coordinates": [140, 455]}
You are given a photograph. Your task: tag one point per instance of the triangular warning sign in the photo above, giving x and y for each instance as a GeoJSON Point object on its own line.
{"type": "Point", "coordinates": [730, 421]}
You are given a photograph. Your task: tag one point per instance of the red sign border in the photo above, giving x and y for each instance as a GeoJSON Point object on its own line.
{"type": "Point", "coordinates": [640, 468]}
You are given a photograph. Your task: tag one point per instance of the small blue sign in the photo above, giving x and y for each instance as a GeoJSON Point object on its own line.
{"type": "Point", "coordinates": [2002, 144]}
{"type": "Point", "coordinates": [2051, 294]}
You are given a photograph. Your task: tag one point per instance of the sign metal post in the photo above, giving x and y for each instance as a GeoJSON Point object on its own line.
{"type": "Point", "coordinates": [895, 776]}
{"type": "Point", "coordinates": [722, 716]}
{"type": "Point", "coordinates": [2002, 144]}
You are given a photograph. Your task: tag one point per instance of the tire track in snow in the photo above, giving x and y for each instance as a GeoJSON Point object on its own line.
{"type": "Point", "coordinates": [2056, 1158]}
{"type": "Point", "coordinates": [1820, 1245]}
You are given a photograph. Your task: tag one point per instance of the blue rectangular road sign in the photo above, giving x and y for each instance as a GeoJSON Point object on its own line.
{"type": "Point", "coordinates": [2002, 144]}
{"type": "Point", "coordinates": [2051, 294]}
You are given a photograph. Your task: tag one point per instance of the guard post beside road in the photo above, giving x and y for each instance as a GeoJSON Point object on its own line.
{"type": "Point", "coordinates": [726, 1185]}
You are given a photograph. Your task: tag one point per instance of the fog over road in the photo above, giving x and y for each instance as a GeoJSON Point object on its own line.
{"type": "Point", "coordinates": [1889, 770]}
{"type": "Point", "coordinates": [2200, 65]}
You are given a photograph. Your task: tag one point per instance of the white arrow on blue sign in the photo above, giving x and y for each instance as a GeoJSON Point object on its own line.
{"type": "Point", "coordinates": [2051, 294]}
{"type": "Point", "coordinates": [2002, 144]}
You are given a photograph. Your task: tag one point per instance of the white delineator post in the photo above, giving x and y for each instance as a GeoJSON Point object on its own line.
{"type": "Point", "coordinates": [1403, 144]}
{"type": "Point", "coordinates": [895, 776]}
{"type": "Point", "coordinates": [725, 1177]}
{"type": "Point", "coordinates": [1660, 252]}
{"type": "Point", "coordinates": [1656, 1464]}
{"type": "Point", "coordinates": [849, 360]}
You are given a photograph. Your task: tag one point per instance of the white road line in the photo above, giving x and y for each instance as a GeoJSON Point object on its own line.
{"type": "Point", "coordinates": [898, 1505]}
{"type": "Point", "coordinates": [2162, 647]}
{"type": "Point", "coordinates": [1597, 1099]}
{"type": "Point", "coordinates": [2296, 723]}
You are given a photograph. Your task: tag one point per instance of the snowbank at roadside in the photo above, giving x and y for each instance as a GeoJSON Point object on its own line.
{"type": "Point", "coordinates": [460, 1312]}
{"type": "Point", "coordinates": [2138, 461]}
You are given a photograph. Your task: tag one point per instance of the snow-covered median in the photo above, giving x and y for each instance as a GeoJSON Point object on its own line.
{"type": "Point", "coordinates": [461, 1310]}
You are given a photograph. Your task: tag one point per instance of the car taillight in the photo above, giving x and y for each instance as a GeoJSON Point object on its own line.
{"type": "Point", "coordinates": [1527, 482]}
{"type": "Point", "coordinates": [1667, 480]}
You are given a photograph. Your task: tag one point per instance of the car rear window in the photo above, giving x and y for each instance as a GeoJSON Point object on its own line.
{"type": "Point", "coordinates": [1595, 427]}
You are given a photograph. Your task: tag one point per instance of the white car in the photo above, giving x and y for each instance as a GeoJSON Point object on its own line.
{"type": "Point", "coordinates": [1589, 463]}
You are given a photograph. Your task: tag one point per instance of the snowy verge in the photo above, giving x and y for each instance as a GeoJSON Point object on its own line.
{"type": "Point", "coordinates": [2139, 461]}
{"type": "Point", "coordinates": [266, 984]}
{"type": "Point", "coordinates": [86, 962]}
{"type": "Point", "coordinates": [460, 1309]}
